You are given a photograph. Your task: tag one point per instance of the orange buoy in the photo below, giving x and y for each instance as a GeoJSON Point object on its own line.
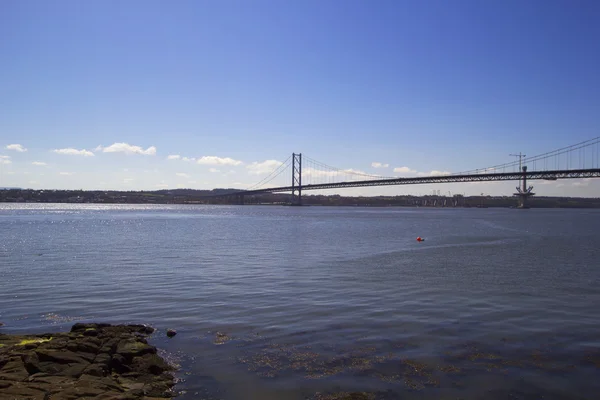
{"type": "Point", "coordinates": [420, 239]}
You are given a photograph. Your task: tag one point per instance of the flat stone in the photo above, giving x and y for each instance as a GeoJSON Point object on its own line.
{"type": "Point", "coordinates": [74, 371]}
{"type": "Point", "coordinates": [21, 390]}
{"type": "Point", "coordinates": [60, 356]}
{"type": "Point", "coordinates": [14, 370]}
{"type": "Point", "coordinates": [96, 370]}
{"type": "Point", "coordinates": [87, 345]}
{"type": "Point", "coordinates": [103, 358]}
{"type": "Point", "coordinates": [130, 348]}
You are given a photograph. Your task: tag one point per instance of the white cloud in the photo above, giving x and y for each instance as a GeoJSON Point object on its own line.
{"type": "Point", "coordinates": [127, 149]}
{"type": "Point", "coordinates": [341, 173]}
{"type": "Point", "coordinates": [213, 170]}
{"type": "Point", "coordinates": [16, 147]}
{"type": "Point", "coordinates": [39, 163]}
{"type": "Point", "coordinates": [213, 160]}
{"type": "Point", "coordinates": [405, 170]}
{"type": "Point", "coordinates": [173, 157]}
{"type": "Point", "coordinates": [5, 160]}
{"type": "Point", "coordinates": [192, 182]}
{"type": "Point", "coordinates": [33, 182]}
{"type": "Point", "coordinates": [434, 173]}
{"type": "Point", "coordinates": [162, 185]}
{"type": "Point", "coordinates": [182, 174]}
{"type": "Point", "coordinates": [356, 171]}
{"type": "Point", "coordinates": [66, 173]}
{"type": "Point", "coordinates": [188, 159]}
{"type": "Point", "coordinates": [317, 172]}
{"type": "Point", "coordinates": [243, 184]}
{"type": "Point", "coordinates": [74, 152]}
{"type": "Point", "coordinates": [379, 165]}
{"type": "Point", "coordinates": [264, 167]}
{"type": "Point", "coordinates": [128, 180]}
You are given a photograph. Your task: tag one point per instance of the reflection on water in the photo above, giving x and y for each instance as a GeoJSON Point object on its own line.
{"type": "Point", "coordinates": [296, 303]}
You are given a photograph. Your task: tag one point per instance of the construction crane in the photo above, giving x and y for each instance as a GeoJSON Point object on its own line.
{"type": "Point", "coordinates": [520, 159]}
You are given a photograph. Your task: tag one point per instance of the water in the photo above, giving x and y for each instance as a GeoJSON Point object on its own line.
{"type": "Point", "coordinates": [494, 303]}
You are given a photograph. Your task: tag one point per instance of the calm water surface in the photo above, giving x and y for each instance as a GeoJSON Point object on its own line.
{"type": "Point", "coordinates": [494, 304]}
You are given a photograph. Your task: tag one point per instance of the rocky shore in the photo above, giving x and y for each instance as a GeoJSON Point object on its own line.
{"type": "Point", "coordinates": [92, 361]}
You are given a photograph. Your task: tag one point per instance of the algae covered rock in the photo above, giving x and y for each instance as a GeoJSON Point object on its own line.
{"type": "Point", "coordinates": [95, 361]}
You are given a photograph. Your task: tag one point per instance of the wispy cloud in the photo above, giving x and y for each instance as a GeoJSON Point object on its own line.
{"type": "Point", "coordinates": [356, 171]}
{"type": "Point", "coordinates": [74, 152]}
{"type": "Point", "coordinates": [342, 173]}
{"type": "Point", "coordinates": [173, 157]}
{"type": "Point", "coordinates": [213, 160]}
{"type": "Point", "coordinates": [182, 175]}
{"type": "Point", "coordinates": [376, 164]}
{"type": "Point", "coordinates": [5, 160]}
{"type": "Point", "coordinates": [434, 173]}
{"type": "Point", "coordinates": [405, 170]}
{"type": "Point", "coordinates": [213, 170]}
{"type": "Point", "coordinates": [39, 163]}
{"type": "Point", "coordinates": [66, 173]}
{"type": "Point", "coordinates": [128, 180]}
{"type": "Point", "coordinates": [16, 147]}
{"type": "Point", "coordinates": [127, 149]}
{"type": "Point", "coordinates": [188, 159]}
{"type": "Point", "coordinates": [265, 167]}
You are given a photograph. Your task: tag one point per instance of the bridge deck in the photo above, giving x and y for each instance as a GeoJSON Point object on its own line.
{"type": "Point", "coordinates": [491, 177]}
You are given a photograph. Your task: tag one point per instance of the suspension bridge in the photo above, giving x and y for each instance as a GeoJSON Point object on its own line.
{"type": "Point", "coordinates": [581, 160]}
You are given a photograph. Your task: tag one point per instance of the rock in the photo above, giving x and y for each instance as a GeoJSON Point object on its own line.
{"type": "Point", "coordinates": [96, 370]}
{"type": "Point", "coordinates": [118, 363]}
{"type": "Point", "coordinates": [221, 338]}
{"type": "Point", "coordinates": [97, 361]}
{"type": "Point", "coordinates": [102, 358]}
{"type": "Point", "coordinates": [59, 357]}
{"type": "Point", "coordinates": [14, 370]}
{"type": "Point", "coordinates": [130, 348]}
{"type": "Point", "coordinates": [74, 371]}
{"type": "Point", "coordinates": [171, 333]}
{"type": "Point", "coordinates": [90, 332]}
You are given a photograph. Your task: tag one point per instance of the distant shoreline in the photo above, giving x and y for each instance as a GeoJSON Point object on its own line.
{"type": "Point", "coordinates": [190, 196]}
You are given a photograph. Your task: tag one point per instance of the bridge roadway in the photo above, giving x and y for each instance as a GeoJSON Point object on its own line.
{"type": "Point", "coordinates": [491, 177]}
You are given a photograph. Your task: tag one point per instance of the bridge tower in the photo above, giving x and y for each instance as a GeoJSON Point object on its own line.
{"type": "Point", "coordinates": [524, 192]}
{"type": "Point", "coordinates": [296, 179]}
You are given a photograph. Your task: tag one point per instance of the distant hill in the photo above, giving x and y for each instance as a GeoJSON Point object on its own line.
{"type": "Point", "coordinates": [10, 188]}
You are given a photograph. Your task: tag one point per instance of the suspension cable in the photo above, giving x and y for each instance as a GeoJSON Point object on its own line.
{"type": "Point", "coordinates": [266, 179]}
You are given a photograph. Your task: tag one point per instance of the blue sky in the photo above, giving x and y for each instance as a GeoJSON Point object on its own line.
{"type": "Point", "coordinates": [428, 85]}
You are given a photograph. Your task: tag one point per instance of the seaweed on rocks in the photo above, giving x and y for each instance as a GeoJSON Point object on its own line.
{"type": "Point", "coordinates": [92, 361]}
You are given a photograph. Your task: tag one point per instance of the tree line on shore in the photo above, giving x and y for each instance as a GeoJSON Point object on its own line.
{"type": "Point", "coordinates": [192, 196]}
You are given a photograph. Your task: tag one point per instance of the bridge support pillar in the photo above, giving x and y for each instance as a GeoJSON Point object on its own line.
{"type": "Point", "coordinates": [296, 179]}
{"type": "Point", "coordinates": [524, 192]}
